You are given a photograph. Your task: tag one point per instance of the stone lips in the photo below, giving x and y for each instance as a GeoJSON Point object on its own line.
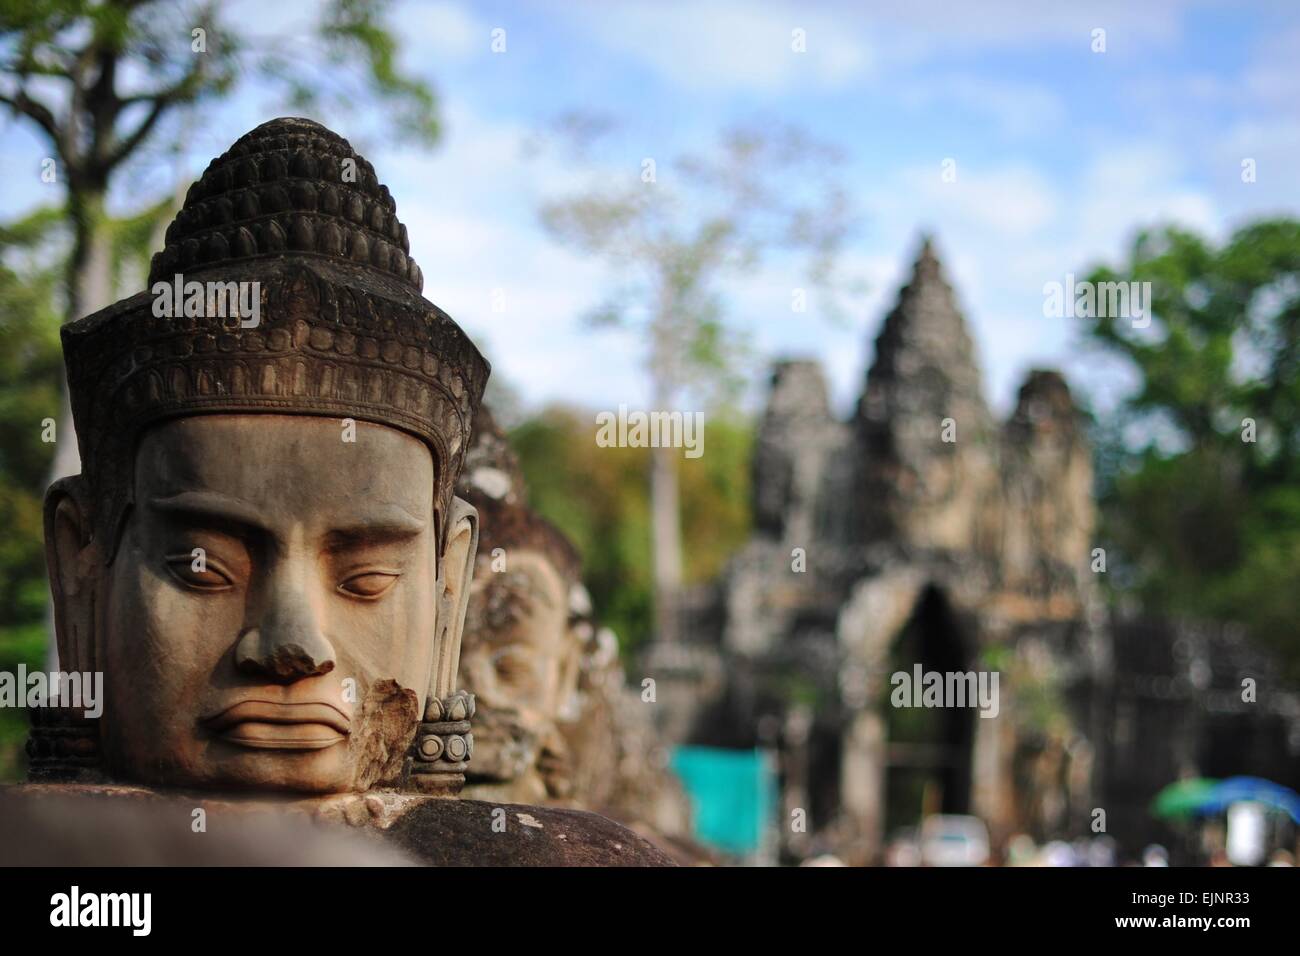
{"type": "Point", "coordinates": [283, 187]}
{"type": "Point", "coordinates": [336, 339]}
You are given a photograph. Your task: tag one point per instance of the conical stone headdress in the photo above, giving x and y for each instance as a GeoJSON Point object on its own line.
{"type": "Point", "coordinates": [343, 330]}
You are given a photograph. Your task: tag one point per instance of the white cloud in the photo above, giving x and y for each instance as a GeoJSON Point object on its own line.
{"type": "Point", "coordinates": [732, 45]}
{"type": "Point", "coordinates": [1136, 185]}
{"type": "Point", "coordinates": [469, 208]}
{"type": "Point", "coordinates": [1012, 200]}
{"type": "Point", "coordinates": [443, 30]}
{"type": "Point", "coordinates": [1019, 109]}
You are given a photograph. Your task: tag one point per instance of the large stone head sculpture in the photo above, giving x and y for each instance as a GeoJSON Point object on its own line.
{"type": "Point", "coordinates": [263, 553]}
{"type": "Point", "coordinates": [521, 654]}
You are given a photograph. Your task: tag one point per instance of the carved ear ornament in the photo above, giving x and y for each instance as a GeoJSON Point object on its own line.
{"type": "Point", "coordinates": [443, 746]}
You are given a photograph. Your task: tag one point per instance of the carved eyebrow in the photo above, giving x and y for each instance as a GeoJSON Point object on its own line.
{"type": "Point", "coordinates": [389, 523]}
{"type": "Point", "coordinates": [378, 533]}
{"type": "Point", "coordinates": [214, 509]}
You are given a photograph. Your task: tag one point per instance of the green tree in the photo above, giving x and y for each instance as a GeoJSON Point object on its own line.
{"type": "Point", "coordinates": [671, 238]}
{"type": "Point", "coordinates": [1202, 498]}
{"type": "Point", "coordinates": [33, 251]}
{"type": "Point", "coordinates": [598, 496]}
{"type": "Point", "coordinates": [73, 69]}
{"type": "Point", "coordinates": [31, 369]}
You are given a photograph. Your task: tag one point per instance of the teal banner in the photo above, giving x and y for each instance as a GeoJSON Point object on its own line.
{"type": "Point", "coordinates": [732, 793]}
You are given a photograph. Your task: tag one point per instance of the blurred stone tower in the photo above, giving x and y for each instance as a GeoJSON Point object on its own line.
{"type": "Point", "coordinates": [1047, 507]}
{"type": "Point", "coordinates": [928, 440]}
{"type": "Point", "coordinates": [922, 531]}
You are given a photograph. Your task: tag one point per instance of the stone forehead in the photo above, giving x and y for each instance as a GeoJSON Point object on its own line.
{"type": "Point", "coordinates": [312, 472]}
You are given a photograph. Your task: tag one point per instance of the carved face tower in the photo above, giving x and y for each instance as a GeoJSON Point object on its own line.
{"type": "Point", "coordinates": [263, 552]}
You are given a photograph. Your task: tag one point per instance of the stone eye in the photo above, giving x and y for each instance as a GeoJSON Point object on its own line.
{"type": "Point", "coordinates": [369, 584]}
{"type": "Point", "coordinates": [204, 576]}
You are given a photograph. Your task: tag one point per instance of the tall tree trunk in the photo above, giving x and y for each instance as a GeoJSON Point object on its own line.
{"type": "Point", "coordinates": [90, 276]}
{"type": "Point", "coordinates": [665, 524]}
{"type": "Point", "coordinates": [89, 288]}
{"type": "Point", "coordinates": [664, 505]}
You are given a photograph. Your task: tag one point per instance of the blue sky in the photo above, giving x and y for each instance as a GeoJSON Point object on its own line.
{"type": "Point", "coordinates": [1060, 154]}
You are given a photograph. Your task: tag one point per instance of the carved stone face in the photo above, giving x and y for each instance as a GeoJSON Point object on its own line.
{"type": "Point", "coordinates": [271, 616]}
{"type": "Point", "coordinates": [519, 660]}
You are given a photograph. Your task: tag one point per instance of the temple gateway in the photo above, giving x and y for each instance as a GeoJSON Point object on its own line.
{"type": "Point", "coordinates": [923, 536]}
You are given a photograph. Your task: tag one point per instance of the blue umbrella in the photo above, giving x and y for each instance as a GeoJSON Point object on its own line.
{"type": "Point", "coordinates": [1256, 789]}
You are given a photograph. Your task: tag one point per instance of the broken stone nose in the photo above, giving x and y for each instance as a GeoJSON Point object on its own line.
{"type": "Point", "coordinates": [305, 654]}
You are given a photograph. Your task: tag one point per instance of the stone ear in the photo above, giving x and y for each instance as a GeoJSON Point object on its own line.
{"type": "Point", "coordinates": [72, 559]}
{"type": "Point", "coordinates": [456, 570]}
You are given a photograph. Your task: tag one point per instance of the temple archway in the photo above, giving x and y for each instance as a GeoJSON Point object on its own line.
{"type": "Point", "coordinates": [892, 622]}
{"type": "Point", "coordinates": [927, 750]}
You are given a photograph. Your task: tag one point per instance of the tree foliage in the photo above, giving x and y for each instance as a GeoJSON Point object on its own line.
{"type": "Point", "coordinates": [1203, 499]}
{"type": "Point", "coordinates": [674, 237]}
{"type": "Point", "coordinates": [31, 373]}
{"type": "Point", "coordinates": [101, 79]}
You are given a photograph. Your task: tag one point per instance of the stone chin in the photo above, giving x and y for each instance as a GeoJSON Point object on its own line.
{"type": "Point", "coordinates": [322, 771]}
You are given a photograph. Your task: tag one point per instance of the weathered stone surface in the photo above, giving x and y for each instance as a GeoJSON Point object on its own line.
{"type": "Point", "coordinates": [461, 833]}
{"type": "Point", "coordinates": [795, 441]}
{"type": "Point", "coordinates": [928, 440]}
{"type": "Point", "coordinates": [874, 533]}
{"type": "Point", "coordinates": [520, 654]}
{"type": "Point", "coordinates": [620, 761]}
{"type": "Point", "coordinates": [78, 825]}
{"type": "Point", "coordinates": [1048, 512]}
{"type": "Point", "coordinates": [263, 554]}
